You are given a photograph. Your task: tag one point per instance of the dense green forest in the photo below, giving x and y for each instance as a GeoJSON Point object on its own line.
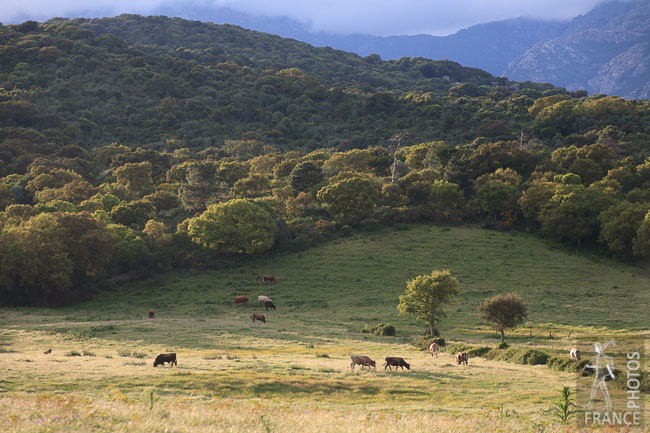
{"type": "Point", "coordinates": [130, 145]}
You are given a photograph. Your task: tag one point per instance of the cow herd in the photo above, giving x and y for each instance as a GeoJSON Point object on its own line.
{"type": "Point", "coordinates": [397, 362]}
{"type": "Point", "coordinates": [237, 300]}
{"type": "Point", "coordinates": [362, 361]}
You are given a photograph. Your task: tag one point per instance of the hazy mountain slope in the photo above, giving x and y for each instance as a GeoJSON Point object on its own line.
{"type": "Point", "coordinates": [612, 58]}
{"type": "Point", "coordinates": [134, 79]}
{"type": "Point", "coordinates": [603, 51]}
{"type": "Point", "coordinates": [208, 43]}
{"type": "Point", "coordinates": [489, 46]}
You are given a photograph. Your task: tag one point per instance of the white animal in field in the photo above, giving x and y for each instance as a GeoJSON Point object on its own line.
{"type": "Point", "coordinates": [575, 354]}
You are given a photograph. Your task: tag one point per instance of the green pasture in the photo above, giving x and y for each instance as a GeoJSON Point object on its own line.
{"type": "Point", "coordinates": [103, 349]}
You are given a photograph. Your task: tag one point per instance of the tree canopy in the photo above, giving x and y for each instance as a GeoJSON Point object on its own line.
{"type": "Point", "coordinates": [427, 297]}
{"type": "Point", "coordinates": [504, 311]}
{"type": "Point", "coordinates": [237, 226]}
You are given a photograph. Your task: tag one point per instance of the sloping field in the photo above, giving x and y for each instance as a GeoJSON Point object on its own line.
{"type": "Point", "coordinates": [292, 373]}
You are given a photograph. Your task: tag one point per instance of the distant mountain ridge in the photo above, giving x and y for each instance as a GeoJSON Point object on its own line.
{"type": "Point", "coordinates": [603, 51]}
{"type": "Point", "coordinates": [611, 54]}
{"type": "Point", "coordinates": [606, 50]}
{"type": "Point", "coordinates": [488, 46]}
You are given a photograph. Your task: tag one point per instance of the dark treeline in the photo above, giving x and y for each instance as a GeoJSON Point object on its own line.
{"type": "Point", "coordinates": [132, 145]}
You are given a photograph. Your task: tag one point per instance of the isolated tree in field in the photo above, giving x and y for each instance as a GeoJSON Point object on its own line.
{"type": "Point", "coordinates": [427, 296]}
{"type": "Point", "coordinates": [504, 311]}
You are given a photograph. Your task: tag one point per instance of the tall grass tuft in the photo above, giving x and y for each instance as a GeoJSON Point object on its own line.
{"type": "Point", "coordinates": [152, 398]}
{"type": "Point", "coordinates": [565, 407]}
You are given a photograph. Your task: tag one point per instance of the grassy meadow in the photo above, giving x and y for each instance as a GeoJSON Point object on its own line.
{"type": "Point", "coordinates": [292, 374]}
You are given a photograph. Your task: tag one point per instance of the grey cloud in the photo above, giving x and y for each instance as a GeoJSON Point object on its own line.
{"type": "Point", "coordinates": [376, 17]}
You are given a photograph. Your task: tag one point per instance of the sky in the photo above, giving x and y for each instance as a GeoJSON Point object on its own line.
{"type": "Point", "coordinates": [374, 17]}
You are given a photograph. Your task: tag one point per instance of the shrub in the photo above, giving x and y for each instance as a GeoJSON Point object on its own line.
{"type": "Point", "coordinates": [346, 230]}
{"type": "Point", "coordinates": [519, 355]}
{"type": "Point", "coordinates": [381, 329]}
{"type": "Point", "coordinates": [564, 364]}
{"type": "Point", "coordinates": [384, 330]}
{"type": "Point", "coordinates": [503, 345]}
{"type": "Point", "coordinates": [478, 351]}
{"type": "Point", "coordinates": [128, 353]}
{"type": "Point", "coordinates": [457, 347]}
{"type": "Point", "coordinates": [73, 353]}
{"type": "Point", "coordinates": [621, 381]}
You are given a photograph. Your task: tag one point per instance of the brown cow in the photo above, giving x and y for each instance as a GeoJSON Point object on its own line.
{"type": "Point", "coordinates": [240, 300]}
{"type": "Point", "coordinates": [259, 317]}
{"type": "Point", "coordinates": [396, 362]}
{"type": "Point", "coordinates": [269, 278]}
{"type": "Point", "coordinates": [433, 349]}
{"type": "Point", "coordinates": [461, 357]}
{"type": "Point", "coordinates": [362, 361]}
{"type": "Point", "coordinates": [47, 352]}
{"type": "Point", "coordinates": [165, 357]}
{"type": "Point", "coordinates": [151, 314]}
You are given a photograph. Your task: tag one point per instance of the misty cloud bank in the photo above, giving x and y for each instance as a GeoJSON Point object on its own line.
{"type": "Point", "coordinates": [374, 17]}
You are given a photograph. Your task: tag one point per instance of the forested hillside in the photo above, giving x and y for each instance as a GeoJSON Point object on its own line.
{"type": "Point", "coordinates": [131, 144]}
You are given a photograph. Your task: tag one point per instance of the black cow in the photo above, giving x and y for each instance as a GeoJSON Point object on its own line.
{"type": "Point", "coordinates": [165, 357]}
{"type": "Point", "coordinates": [269, 305]}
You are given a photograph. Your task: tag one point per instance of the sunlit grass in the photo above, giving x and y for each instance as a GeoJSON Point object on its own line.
{"type": "Point", "coordinates": [292, 373]}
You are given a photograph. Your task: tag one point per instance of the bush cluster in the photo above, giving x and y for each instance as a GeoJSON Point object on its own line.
{"type": "Point", "coordinates": [381, 329]}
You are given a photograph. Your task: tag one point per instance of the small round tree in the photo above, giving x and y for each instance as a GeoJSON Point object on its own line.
{"type": "Point", "coordinates": [504, 311]}
{"type": "Point", "coordinates": [427, 295]}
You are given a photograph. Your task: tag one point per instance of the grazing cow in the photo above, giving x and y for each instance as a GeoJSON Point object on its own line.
{"type": "Point", "coordinates": [362, 361]}
{"type": "Point", "coordinates": [262, 299]}
{"type": "Point", "coordinates": [165, 357]}
{"type": "Point", "coordinates": [396, 362]}
{"type": "Point", "coordinates": [268, 305]}
{"type": "Point", "coordinates": [575, 354]}
{"type": "Point", "coordinates": [433, 349]}
{"type": "Point", "coordinates": [47, 352]}
{"type": "Point", "coordinates": [240, 300]}
{"type": "Point", "coordinates": [269, 279]}
{"type": "Point", "coordinates": [259, 317]}
{"type": "Point", "coordinates": [461, 357]}
{"type": "Point", "coordinates": [151, 314]}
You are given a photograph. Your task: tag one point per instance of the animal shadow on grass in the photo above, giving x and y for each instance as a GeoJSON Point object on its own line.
{"type": "Point", "coordinates": [321, 387]}
{"type": "Point", "coordinates": [427, 375]}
